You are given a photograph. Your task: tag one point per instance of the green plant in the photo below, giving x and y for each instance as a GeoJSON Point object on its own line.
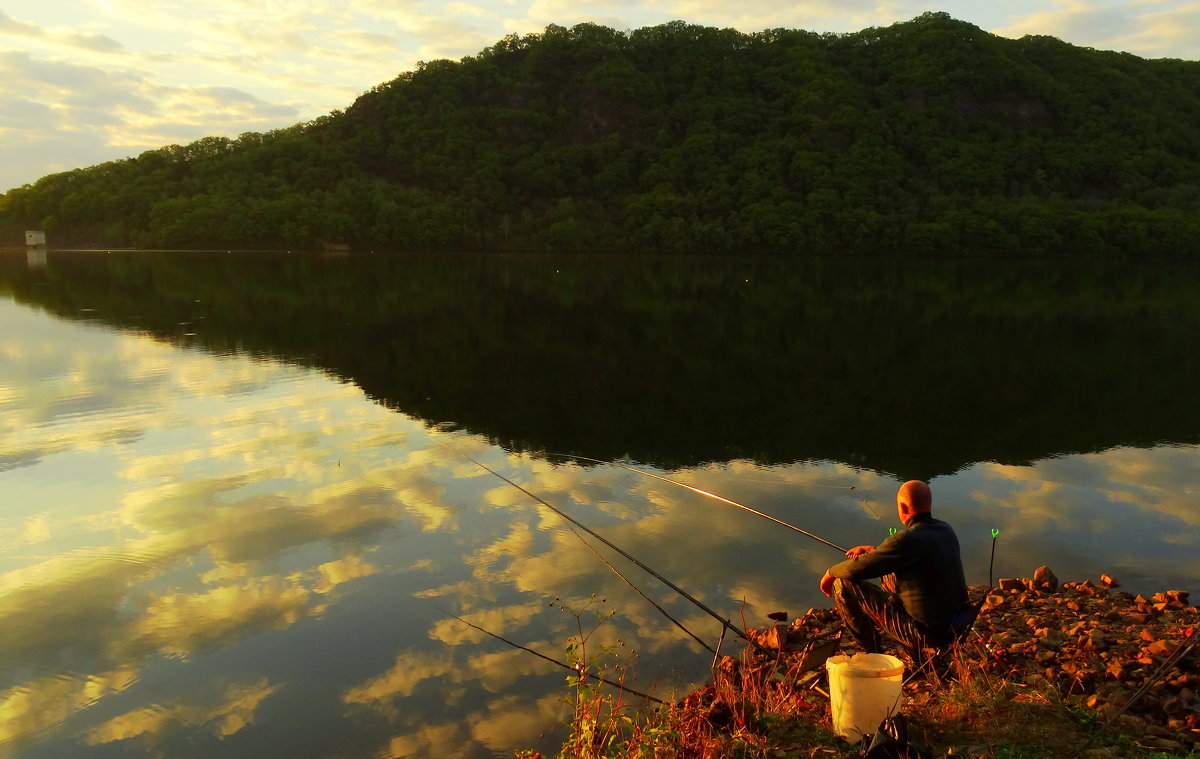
{"type": "Point", "coordinates": [601, 716]}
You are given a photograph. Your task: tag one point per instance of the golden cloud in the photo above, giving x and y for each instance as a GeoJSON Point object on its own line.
{"type": "Point", "coordinates": [449, 739]}
{"type": "Point", "coordinates": [32, 708]}
{"type": "Point", "coordinates": [334, 573]}
{"type": "Point", "coordinates": [409, 671]}
{"type": "Point", "coordinates": [178, 624]}
{"type": "Point", "coordinates": [234, 711]}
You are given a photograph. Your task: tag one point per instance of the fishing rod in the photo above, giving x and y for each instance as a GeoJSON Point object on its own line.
{"type": "Point", "coordinates": [639, 591]}
{"type": "Point", "coordinates": [705, 493]}
{"type": "Point", "coordinates": [613, 546]}
{"type": "Point", "coordinates": [579, 669]}
{"type": "Point", "coordinates": [1183, 649]}
{"type": "Point", "coordinates": [992, 562]}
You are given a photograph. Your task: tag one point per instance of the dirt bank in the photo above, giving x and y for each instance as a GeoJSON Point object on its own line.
{"type": "Point", "coordinates": [1086, 647]}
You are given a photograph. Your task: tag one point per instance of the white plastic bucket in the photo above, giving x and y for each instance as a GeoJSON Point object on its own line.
{"type": "Point", "coordinates": [863, 691]}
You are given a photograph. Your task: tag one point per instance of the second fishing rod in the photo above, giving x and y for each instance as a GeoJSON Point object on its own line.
{"type": "Point", "coordinates": [705, 493]}
{"type": "Point", "coordinates": [726, 623]}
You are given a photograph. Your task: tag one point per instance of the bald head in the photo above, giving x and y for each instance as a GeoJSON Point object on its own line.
{"type": "Point", "coordinates": [914, 497]}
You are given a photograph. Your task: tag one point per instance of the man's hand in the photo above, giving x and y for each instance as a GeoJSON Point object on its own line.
{"type": "Point", "coordinates": [827, 585]}
{"type": "Point", "coordinates": [857, 551]}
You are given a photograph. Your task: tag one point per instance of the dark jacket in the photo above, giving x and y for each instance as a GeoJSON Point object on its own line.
{"type": "Point", "coordinates": [928, 568]}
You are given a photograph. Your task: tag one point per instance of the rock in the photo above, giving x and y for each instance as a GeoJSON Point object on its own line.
{"type": "Point", "coordinates": [1010, 583]}
{"type": "Point", "coordinates": [1004, 638]}
{"type": "Point", "coordinates": [1044, 579]}
{"type": "Point", "coordinates": [1132, 724]}
{"type": "Point", "coordinates": [1177, 595]}
{"type": "Point", "coordinates": [1162, 648]}
{"type": "Point", "coordinates": [1168, 745]}
{"type": "Point", "coordinates": [1097, 640]}
{"type": "Point", "coordinates": [1099, 753]}
{"type": "Point", "coordinates": [776, 637]}
{"type": "Point", "coordinates": [1053, 641]}
{"type": "Point", "coordinates": [1108, 581]}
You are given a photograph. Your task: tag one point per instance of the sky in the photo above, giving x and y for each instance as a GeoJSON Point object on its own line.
{"type": "Point", "coordinates": [88, 81]}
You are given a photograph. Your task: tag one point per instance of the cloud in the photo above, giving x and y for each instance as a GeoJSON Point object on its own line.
{"type": "Point", "coordinates": [96, 43]}
{"type": "Point", "coordinates": [365, 40]}
{"type": "Point", "coordinates": [67, 83]}
{"type": "Point", "coordinates": [61, 113]}
{"type": "Point", "coordinates": [449, 739]}
{"type": "Point", "coordinates": [234, 711]}
{"type": "Point", "coordinates": [178, 624]}
{"type": "Point", "coordinates": [334, 573]}
{"type": "Point", "coordinates": [37, 706]}
{"type": "Point", "coordinates": [1164, 28]}
{"type": "Point", "coordinates": [495, 672]}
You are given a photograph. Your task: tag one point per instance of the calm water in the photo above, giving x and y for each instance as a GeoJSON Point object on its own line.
{"type": "Point", "coordinates": [237, 514]}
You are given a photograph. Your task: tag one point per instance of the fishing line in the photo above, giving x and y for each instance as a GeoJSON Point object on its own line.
{"type": "Point", "coordinates": [638, 590]}
{"type": "Point", "coordinates": [706, 493]}
{"type": "Point", "coordinates": [580, 669]}
{"type": "Point", "coordinates": [611, 545]}
{"type": "Point", "coordinates": [1183, 649]}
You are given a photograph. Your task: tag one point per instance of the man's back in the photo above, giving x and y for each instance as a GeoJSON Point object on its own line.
{"type": "Point", "coordinates": [932, 587]}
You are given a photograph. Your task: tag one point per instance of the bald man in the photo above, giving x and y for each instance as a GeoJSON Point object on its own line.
{"type": "Point", "coordinates": [929, 584]}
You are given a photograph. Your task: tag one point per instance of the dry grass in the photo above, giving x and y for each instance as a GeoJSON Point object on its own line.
{"type": "Point", "coordinates": [761, 707]}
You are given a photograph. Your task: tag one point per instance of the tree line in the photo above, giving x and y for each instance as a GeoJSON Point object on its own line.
{"type": "Point", "coordinates": [930, 136]}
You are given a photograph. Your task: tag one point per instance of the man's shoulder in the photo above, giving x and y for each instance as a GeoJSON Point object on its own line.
{"type": "Point", "coordinates": [932, 528]}
{"type": "Point", "coordinates": [933, 522]}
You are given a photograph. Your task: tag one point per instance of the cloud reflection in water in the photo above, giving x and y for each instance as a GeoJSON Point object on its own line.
{"type": "Point", "coordinates": [198, 545]}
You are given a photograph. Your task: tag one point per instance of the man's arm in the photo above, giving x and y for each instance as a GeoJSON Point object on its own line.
{"type": "Point", "coordinates": [886, 558]}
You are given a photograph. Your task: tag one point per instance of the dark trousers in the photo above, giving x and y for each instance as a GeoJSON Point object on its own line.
{"type": "Point", "coordinates": [868, 611]}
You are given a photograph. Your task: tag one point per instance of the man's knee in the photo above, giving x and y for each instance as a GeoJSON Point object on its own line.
{"type": "Point", "coordinates": [839, 587]}
{"type": "Point", "coordinates": [845, 592]}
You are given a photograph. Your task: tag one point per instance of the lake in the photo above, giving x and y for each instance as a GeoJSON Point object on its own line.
{"type": "Point", "coordinates": [241, 503]}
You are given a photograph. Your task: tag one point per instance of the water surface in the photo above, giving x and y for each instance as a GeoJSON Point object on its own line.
{"type": "Point", "coordinates": [238, 513]}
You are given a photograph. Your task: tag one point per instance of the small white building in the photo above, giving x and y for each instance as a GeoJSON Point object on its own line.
{"type": "Point", "coordinates": [35, 237]}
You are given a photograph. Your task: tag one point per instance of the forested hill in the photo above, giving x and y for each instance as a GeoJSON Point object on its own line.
{"type": "Point", "coordinates": [927, 136]}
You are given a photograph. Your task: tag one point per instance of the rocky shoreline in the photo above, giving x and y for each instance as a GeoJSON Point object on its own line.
{"type": "Point", "coordinates": [1094, 645]}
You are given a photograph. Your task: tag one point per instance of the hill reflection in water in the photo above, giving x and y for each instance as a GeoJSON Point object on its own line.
{"type": "Point", "coordinates": [210, 552]}
{"type": "Point", "coordinates": [684, 360]}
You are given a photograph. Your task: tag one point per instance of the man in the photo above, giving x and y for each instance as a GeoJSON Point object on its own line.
{"type": "Point", "coordinates": [929, 587]}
